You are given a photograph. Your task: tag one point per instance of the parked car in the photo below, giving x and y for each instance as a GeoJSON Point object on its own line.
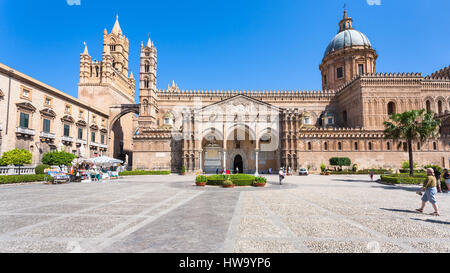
{"type": "Point", "coordinates": [303, 171]}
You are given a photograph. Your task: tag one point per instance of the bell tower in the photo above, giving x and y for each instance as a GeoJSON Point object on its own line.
{"type": "Point", "coordinates": [147, 88]}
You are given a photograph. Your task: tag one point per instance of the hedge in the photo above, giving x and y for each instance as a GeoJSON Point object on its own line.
{"type": "Point", "coordinates": [10, 179]}
{"type": "Point", "coordinates": [127, 173]}
{"type": "Point", "coordinates": [340, 161]}
{"type": "Point", "coordinates": [403, 179]}
{"type": "Point", "coordinates": [367, 171]}
{"type": "Point", "coordinates": [41, 168]}
{"type": "Point", "coordinates": [238, 179]}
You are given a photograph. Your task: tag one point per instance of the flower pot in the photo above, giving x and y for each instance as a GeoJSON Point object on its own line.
{"type": "Point", "coordinates": [200, 184]}
{"type": "Point", "coordinates": [228, 186]}
{"type": "Point", "coordinates": [259, 184]}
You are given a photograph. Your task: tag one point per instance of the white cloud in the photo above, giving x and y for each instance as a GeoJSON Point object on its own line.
{"type": "Point", "coordinates": [374, 2]}
{"type": "Point", "coordinates": [73, 2]}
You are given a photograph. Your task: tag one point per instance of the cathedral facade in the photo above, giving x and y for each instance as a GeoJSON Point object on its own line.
{"type": "Point", "coordinates": [254, 131]}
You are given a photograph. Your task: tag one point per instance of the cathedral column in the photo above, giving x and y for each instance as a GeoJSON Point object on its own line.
{"type": "Point", "coordinates": [256, 162]}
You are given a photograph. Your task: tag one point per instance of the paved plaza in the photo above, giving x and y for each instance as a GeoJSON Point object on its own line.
{"type": "Point", "coordinates": [169, 214]}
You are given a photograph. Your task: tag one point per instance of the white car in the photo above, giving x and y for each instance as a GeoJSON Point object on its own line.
{"type": "Point", "coordinates": [303, 171]}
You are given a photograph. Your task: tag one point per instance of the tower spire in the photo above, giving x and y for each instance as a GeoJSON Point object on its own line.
{"type": "Point", "coordinates": [149, 42]}
{"type": "Point", "coordinates": [116, 29]}
{"type": "Point", "coordinates": [85, 49]}
{"type": "Point", "coordinates": [346, 22]}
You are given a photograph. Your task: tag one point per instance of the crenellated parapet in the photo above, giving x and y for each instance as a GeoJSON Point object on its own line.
{"type": "Point", "coordinates": [444, 73]}
{"type": "Point", "coordinates": [251, 93]}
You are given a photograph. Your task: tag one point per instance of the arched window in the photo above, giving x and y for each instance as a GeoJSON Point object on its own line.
{"type": "Point", "coordinates": [309, 146]}
{"type": "Point", "coordinates": [440, 107]}
{"type": "Point", "coordinates": [344, 116]}
{"type": "Point", "coordinates": [145, 106]}
{"type": "Point", "coordinates": [428, 105]}
{"type": "Point", "coordinates": [147, 67]}
{"type": "Point", "coordinates": [434, 146]}
{"type": "Point", "coordinates": [325, 146]}
{"type": "Point", "coordinates": [391, 108]}
{"type": "Point", "coordinates": [146, 83]}
{"type": "Point", "coordinates": [370, 146]}
{"type": "Point", "coordinates": [339, 146]}
{"type": "Point", "coordinates": [418, 145]}
{"type": "Point", "coordinates": [388, 146]}
{"type": "Point", "coordinates": [356, 146]}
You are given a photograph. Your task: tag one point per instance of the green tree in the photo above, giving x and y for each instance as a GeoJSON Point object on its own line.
{"type": "Point", "coordinates": [340, 161]}
{"type": "Point", "coordinates": [59, 158]}
{"type": "Point", "coordinates": [16, 157]}
{"type": "Point", "coordinates": [410, 126]}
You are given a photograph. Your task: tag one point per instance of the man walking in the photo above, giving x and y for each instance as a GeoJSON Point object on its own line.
{"type": "Point", "coordinates": [281, 175]}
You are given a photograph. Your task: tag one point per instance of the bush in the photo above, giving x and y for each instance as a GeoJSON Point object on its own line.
{"type": "Point", "coordinates": [340, 161]}
{"type": "Point", "coordinates": [433, 167]}
{"type": "Point", "coordinates": [403, 179]}
{"type": "Point", "coordinates": [238, 179]}
{"type": "Point", "coordinates": [260, 180]}
{"type": "Point", "coordinates": [323, 167]}
{"type": "Point", "coordinates": [227, 183]}
{"type": "Point", "coordinates": [354, 167]}
{"type": "Point", "coordinates": [41, 168]}
{"type": "Point", "coordinates": [405, 165]}
{"type": "Point", "coordinates": [58, 158]}
{"type": "Point", "coordinates": [10, 179]}
{"type": "Point", "coordinates": [16, 157]}
{"type": "Point", "coordinates": [127, 173]}
{"type": "Point", "coordinates": [183, 169]}
{"type": "Point", "coordinates": [201, 179]}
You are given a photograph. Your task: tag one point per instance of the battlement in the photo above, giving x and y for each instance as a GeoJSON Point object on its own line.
{"type": "Point", "coordinates": [259, 93]}
{"type": "Point", "coordinates": [444, 73]}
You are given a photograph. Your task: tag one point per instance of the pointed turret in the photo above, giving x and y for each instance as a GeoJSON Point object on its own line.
{"type": "Point", "coordinates": [131, 75]}
{"type": "Point", "coordinates": [85, 52]}
{"type": "Point", "coordinates": [116, 29]}
{"type": "Point", "coordinates": [149, 42]}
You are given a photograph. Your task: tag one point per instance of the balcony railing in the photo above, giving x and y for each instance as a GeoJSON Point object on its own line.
{"type": "Point", "coordinates": [25, 131]}
{"type": "Point", "coordinates": [47, 135]}
{"type": "Point", "coordinates": [81, 141]}
{"type": "Point", "coordinates": [103, 146]}
{"type": "Point", "coordinates": [95, 144]}
{"type": "Point", "coordinates": [67, 139]}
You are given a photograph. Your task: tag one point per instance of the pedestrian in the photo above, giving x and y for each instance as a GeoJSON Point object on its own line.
{"type": "Point", "coordinates": [270, 170]}
{"type": "Point", "coordinates": [237, 170]}
{"type": "Point", "coordinates": [281, 175]}
{"type": "Point", "coordinates": [429, 186]}
{"type": "Point", "coordinates": [217, 171]}
{"type": "Point", "coordinates": [371, 175]}
{"type": "Point", "coordinates": [447, 179]}
{"type": "Point", "coordinates": [437, 174]}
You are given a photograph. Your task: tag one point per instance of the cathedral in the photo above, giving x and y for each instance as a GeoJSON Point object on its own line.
{"type": "Point", "coordinates": [253, 131]}
{"type": "Point", "coordinates": [249, 131]}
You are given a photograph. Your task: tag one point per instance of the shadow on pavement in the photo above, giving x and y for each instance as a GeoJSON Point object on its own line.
{"type": "Point", "coordinates": [401, 210]}
{"type": "Point", "coordinates": [431, 221]}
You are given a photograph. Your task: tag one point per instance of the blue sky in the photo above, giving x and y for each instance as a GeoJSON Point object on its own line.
{"type": "Point", "coordinates": [212, 44]}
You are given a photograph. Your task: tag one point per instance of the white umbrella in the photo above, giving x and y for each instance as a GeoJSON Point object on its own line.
{"type": "Point", "coordinates": [105, 161]}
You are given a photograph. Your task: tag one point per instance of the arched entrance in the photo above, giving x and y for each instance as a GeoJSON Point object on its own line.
{"type": "Point", "coordinates": [238, 165]}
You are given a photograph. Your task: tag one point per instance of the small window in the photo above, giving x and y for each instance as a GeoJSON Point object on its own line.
{"type": "Point", "coordinates": [370, 146]}
{"type": "Point", "coordinates": [46, 126]}
{"type": "Point", "coordinates": [360, 69]}
{"type": "Point", "coordinates": [330, 121]}
{"type": "Point", "coordinates": [80, 133]}
{"type": "Point", "coordinates": [309, 146]}
{"type": "Point", "coordinates": [68, 109]}
{"type": "Point", "coordinates": [48, 102]}
{"type": "Point", "coordinates": [93, 136]}
{"type": "Point", "coordinates": [434, 146]}
{"type": "Point", "coordinates": [325, 146]}
{"type": "Point", "coordinates": [356, 146]}
{"type": "Point", "coordinates": [339, 146]}
{"type": "Point", "coordinates": [81, 114]}
{"type": "Point", "coordinates": [307, 121]}
{"type": "Point", "coordinates": [418, 145]}
{"type": "Point", "coordinates": [94, 119]}
{"type": "Point", "coordinates": [24, 120]}
{"type": "Point", "coordinates": [388, 146]}
{"type": "Point", "coordinates": [102, 139]}
{"type": "Point", "coordinates": [66, 130]}
{"type": "Point", "coordinates": [25, 93]}
{"type": "Point", "coordinates": [340, 72]}
{"type": "Point", "coordinates": [166, 121]}
{"type": "Point", "coordinates": [391, 108]}
{"type": "Point", "coordinates": [428, 105]}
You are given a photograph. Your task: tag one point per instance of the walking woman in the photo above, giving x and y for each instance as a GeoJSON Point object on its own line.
{"type": "Point", "coordinates": [429, 186]}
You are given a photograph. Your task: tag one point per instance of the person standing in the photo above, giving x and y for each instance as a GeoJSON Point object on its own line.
{"type": "Point", "coordinates": [429, 186]}
{"type": "Point", "coordinates": [446, 177]}
{"type": "Point", "coordinates": [281, 175]}
{"type": "Point", "coordinates": [371, 175]}
{"type": "Point", "coordinates": [437, 174]}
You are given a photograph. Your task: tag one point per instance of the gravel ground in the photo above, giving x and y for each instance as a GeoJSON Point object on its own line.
{"type": "Point", "coordinates": [331, 214]}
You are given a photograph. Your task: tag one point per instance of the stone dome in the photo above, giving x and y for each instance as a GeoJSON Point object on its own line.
{"type": "Point", "coordinates": [347, 38]}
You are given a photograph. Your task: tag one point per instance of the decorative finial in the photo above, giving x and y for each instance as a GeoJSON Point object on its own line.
{"type": "Point", "coordinates": [117, 17]}
{"type": "Point", "coordinates": [345, 10]}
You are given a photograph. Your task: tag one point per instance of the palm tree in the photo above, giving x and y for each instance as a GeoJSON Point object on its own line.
{"type": "Point", "coordinates": [414, 125]}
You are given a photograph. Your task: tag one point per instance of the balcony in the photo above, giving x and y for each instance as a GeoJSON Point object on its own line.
{"type": "Point", "coordinates": [94, 144]}
{"type": "Point", "coordinates": [81, 142]}
{"type": "Point", "coordinates": [103, 146]}
{"type": "Point", "coordinates": [67, 139]}
{"type": "Point", "coordinates": [24, 131]}
{"type": "Point", "coordinates": [47, 135]}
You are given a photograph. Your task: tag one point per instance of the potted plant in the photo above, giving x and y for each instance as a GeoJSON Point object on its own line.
{"type": "Point", "coordinates": [183, 170]}
{"type": "Point", "coordinates": [260, 182]}
{"type": "Point", "coordinates": [201, 181]}
{"type": "Point", "coordinates": [228, 184]}
{"type": "Point", "coordinates": [323, 168]}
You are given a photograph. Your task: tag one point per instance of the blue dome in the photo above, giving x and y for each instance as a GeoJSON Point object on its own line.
{"type": "Point", "coordinates": [347, 38]}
